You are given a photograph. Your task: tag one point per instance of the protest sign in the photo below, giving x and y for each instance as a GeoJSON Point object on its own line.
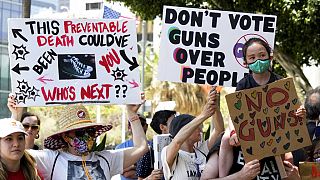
{"type": "Point", "coordinates": [73, 61]}
{"type": "Point", "coordinates": [265, 121]}
{"type": "Point", "coordinates": [205, 46]}
{"type": "Point", "coordinates": [159, 142]}
{"type": "Point", "coordinates": [309, 170]}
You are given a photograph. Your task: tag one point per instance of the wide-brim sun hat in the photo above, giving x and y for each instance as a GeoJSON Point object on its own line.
{"type": "Point", "coordinates": [73, 117]}
{"type": "Point", "coordinates": [9, 126]}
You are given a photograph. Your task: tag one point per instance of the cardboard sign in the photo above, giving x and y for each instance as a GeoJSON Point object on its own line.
{"type": "Point", "coordinates": [265, 121]}
{"type": "Point", "coordinates": [74, 60]}
{"type": "Point", "coordinates": [309, 170]}
{"type": "Point", "coordinates": [205, 46]}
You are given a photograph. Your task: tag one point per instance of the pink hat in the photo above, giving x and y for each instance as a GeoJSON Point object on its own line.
{"type": "Point", "coordinates": [73, 117]}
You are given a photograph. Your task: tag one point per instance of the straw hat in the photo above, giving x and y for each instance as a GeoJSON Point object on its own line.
{"type": "Point", "coordinates": [73, 117]}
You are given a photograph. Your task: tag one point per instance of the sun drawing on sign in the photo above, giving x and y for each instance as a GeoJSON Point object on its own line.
{"type": "Point", "coordinates": [23, 86]}
{"type": "Point", "coordinates": [20, 52]}
{"type": "Point", "coordinates": [33, 93]}
{"type": "Point", "coordinates": [118, 74]}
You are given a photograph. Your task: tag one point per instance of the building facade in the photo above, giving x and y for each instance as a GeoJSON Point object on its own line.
{"type": "Point", "coordinates": [13, 9]}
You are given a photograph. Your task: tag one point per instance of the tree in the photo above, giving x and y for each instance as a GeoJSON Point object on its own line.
{"type": "Point", "coordinates": [297, 35]}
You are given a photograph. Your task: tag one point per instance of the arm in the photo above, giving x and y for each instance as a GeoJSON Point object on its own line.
{"type": "Point", "coordinates": [211, 170]}
{"type": "Point", "coordinates": [188, 129]}
{"type": "Point", "coordinates": [291, 170]}
{"type": "Point", "coordinates": [249, 171]}
{"type": "Point", "coordinates": [217, 121]}
{"type": "Point", "coordinates": [15, 111]}
{"type": "Point", "coordinates": [155, 174]}
{"type": "Point", "coordinates": [140, 146]}
{"type": "Point", "coordinates": [130, 172]}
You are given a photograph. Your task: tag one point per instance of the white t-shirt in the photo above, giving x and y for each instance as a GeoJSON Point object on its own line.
{"type": "Point", "coordinates": [187, 165]}
{"type": "Point", "coordinates": [69, 167]}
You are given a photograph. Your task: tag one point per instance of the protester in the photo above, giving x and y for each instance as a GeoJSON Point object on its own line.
{"type": "Point", "coordinates": [257, 57]}
{"type": "Point", "coordinates": [16, 163]}
{"type": "Point", "coordinates": [312, 105]}
{"type": "Point", "coordinates": [161, 121]}
{"type": "Point", "coordinates": [68, 154]}
{"type": "Point", "coordinates": [131, 172]}
{"type": "Point", "coordinates": [31, 124]}
{"type": "Point", "coordinates": [160, 124]}
{"type": "Point", "coordinates": [181, 159]}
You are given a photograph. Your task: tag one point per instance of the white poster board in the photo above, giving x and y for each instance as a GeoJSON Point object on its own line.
{"type": "Point", "coordinates": [73, 61]}
{"type": "Point", "coordinates": [159, 142]}
{"type": "Point", "coordinates": [205, 46]}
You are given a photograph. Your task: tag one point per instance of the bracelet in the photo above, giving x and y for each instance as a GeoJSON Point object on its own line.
{"type": "Point", "coordinates": [232, 132]}
{"type": "Point", "coordinates": [133, 118]}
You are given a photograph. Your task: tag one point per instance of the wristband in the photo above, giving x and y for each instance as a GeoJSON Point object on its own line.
{"type": "Point", "coordinates": [232, 132]}
{"type": "Point", "coordinates": [133, 118]}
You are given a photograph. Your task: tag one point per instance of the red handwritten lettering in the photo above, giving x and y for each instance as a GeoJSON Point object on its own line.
{"type": "Point", "coordinates": [250, 136]}
{"type": "Point", "coordinates": [63, 93]}
{"type": "Point", "coordinates": [95, 92]}
{"type": "Point", "coordinates": [251, 104]}
{"type": "Point", "coordinates": [273, 91]}
{"type": "Point", "coordinates": [279, 121]}
{"type": "Point", "coordinates": [109, 59]}
{"type": "Point", "coordinates": [267, 132]}
{"type": "Point", "coordinates": [56, 41]}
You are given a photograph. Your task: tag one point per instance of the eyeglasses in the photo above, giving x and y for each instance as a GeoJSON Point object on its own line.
{"type": "Point", "coordinates": [91, 132]}
{"type": "Point", "coordinates": [33, 127]}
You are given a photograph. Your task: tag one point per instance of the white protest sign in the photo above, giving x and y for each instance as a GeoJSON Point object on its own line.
{"type": "Point", "coordinates": [205, 46]}
{"type": "Point", "coordinates": [73, 61]}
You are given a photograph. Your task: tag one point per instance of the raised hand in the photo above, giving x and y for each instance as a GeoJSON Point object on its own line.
{"type": "Point", "coordinates": [133, 108]}
{"type": "Point", "coordinates": [301, 112]}
{"type": "Point", "coordinates": [12, 105]}
{"type": "Point", "coordinates": [210, 107]}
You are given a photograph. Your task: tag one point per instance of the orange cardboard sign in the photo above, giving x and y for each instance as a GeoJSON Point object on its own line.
{"type": "Point", "coordinates": [265, 121]}
{"type": "Point", "coordinates": [309, 170]}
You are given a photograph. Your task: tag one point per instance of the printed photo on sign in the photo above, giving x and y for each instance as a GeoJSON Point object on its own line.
{"type": "Point", "coordinates": [204, 46]}
{"type": "Point", "coordinates": [76, 66]}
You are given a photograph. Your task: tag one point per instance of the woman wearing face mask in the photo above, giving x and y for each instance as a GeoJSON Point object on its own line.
{"type": "Point", "coordinates": [257, 58]}
{"type": "Point", "coordinates": [16, 163]}
{"type": "Point", "coordinates": [69, 155]}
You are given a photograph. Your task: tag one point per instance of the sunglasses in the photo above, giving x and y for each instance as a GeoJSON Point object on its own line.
{"type": "Point", "coordinates": [80, 133]}
{"type": "Point", "coordinates": [33, 127]}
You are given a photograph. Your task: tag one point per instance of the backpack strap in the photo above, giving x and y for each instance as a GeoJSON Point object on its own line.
{"type": "Point", "coordinates": [54, 164]}
{"type": "Point", "coordinates": [105, 160]}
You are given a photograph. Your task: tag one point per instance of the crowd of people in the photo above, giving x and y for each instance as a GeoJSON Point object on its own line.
{"type": "Point", "coordinates": [67, 154]}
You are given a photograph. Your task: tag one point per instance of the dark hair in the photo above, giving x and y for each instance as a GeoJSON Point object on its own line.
{"type": "Point", "coordinates": [28, 114]}
{"type": "Point", "coordinates": [160, 117]}
{"type": "Point", "coordinates": [312, 104]}
{"type": "Point", "coordinates": [179, 122]}
{"type": "Point", "coordinates": [258, 41]}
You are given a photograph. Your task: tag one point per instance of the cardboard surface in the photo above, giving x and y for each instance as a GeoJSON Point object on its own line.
{"type": "Point", "coordinates": [265, 121]}
{"type": "Point", "coordinates": [309, 170]}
